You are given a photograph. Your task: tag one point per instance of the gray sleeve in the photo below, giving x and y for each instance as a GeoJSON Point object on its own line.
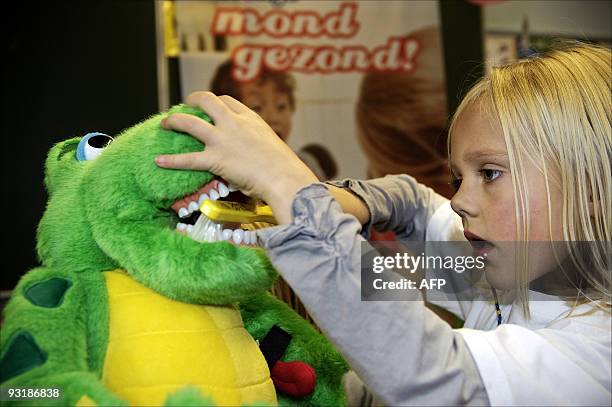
{"type": "Point", "coordinates": [404, 353]}
{"type": "Point", "coordinates": [397, 203]}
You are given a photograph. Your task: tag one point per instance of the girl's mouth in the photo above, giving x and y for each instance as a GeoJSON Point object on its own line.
{"type": "Point", "coordinates": [480, 246]}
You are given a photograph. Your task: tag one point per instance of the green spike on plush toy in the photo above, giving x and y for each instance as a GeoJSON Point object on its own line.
{"type": "Point", "coordinates": [49, 293]}
{"type": "Point", "coordinates": [126, 300]}
{"type": "Point", "coordinates": [22, 354]}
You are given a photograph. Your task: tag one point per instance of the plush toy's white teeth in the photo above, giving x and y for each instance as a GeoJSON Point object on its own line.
{"type": "Point", "coordinates": [223, 190]}
{"type": "Point", "coordinates": [213, 194]}
{"type": "Point", "coordinates": [208, 231]}
{"type": "Point", "coordinates": [227, 234]}
{"type": "Point", "coordinates": [238, 236]}
{"type": "Point", "coordinates": [202, 198]}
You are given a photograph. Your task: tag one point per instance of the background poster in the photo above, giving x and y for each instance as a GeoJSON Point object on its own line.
{"type": "Point", "coordinates": [400, 40]}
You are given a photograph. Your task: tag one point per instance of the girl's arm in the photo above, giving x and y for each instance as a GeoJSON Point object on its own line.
{"type": "Point", "coordinates": [394, 203]}
{"type": "Point", "coordinates": [413, 211]}
{"type": "Point", "coordinates": [404, 352]}
{"type": "Point", "coordinates": [350, 202]}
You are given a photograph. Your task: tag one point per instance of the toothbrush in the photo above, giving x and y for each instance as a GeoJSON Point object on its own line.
{"type": "Point", "coordinates": [234, 212]}
{"type": "Point", "coordinates": [209, 226]}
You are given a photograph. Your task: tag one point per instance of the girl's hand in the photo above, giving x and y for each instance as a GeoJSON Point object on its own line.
{"type": "Point", "coordinates": [242, 149]}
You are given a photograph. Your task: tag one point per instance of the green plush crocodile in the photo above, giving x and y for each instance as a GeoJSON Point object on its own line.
{"type": "Point", "coordinates": [128, 309]}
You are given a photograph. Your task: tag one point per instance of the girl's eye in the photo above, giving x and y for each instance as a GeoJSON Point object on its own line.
{"type": "Point", "coordinates": [490, 175]}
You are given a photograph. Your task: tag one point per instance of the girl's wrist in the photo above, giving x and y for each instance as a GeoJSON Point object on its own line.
{"type": "Point", "coordinates": [282, 191]}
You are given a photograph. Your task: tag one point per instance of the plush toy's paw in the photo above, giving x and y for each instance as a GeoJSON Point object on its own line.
{"type": "Point", "coordinates": [295, 379]}
{"type": "Point", "coordinates": [188, 396]}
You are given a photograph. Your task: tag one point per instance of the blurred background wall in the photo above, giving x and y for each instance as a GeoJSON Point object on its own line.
{"type": "Point", "coordinates": [69, 68]}
{"type": "Point", "coordinates": [581, 19]}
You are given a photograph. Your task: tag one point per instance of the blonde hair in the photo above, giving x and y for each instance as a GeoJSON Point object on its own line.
{"type": "Point", "coordinates": [555, 111]}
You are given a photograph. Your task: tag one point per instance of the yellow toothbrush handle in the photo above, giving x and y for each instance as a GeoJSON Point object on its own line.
{"type": "Point", "coordinates": [264, 214]}
{"type": "Point", "coordinates": [234, 212]}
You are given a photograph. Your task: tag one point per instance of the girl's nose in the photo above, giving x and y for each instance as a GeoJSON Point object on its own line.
{"type": "Point", "coordinates": [462, 203]}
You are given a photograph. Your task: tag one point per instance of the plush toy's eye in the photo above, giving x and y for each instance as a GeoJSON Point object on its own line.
{"type": "Point", "coordinates": [91, 146]}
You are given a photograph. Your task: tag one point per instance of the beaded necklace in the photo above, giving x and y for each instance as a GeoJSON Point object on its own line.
{"type": "Point", "coordinates": [497, 308]}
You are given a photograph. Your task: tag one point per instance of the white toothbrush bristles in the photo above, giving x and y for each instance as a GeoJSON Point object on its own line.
{"type": "Point", "coordinates": [208, 231]}
{"type": "Point", "coordinates": [201, 229]}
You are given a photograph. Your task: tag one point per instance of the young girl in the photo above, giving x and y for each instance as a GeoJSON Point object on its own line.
{"type": "Point", "coordinates": [530, 155]}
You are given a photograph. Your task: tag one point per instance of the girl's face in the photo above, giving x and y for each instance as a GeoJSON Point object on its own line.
{"type": "Point", "coordinates": [485, 201]}
{"type": "Point", "coordinates": [272, 105]}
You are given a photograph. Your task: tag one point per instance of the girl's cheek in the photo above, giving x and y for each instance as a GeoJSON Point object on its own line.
{"type": "Point", "coordinates": [501, 219]}
{"type": "Point", "coordinates": [542, 225]}
{"type": "Point", "coordinates": [506, 225]}
{"type": "Point", "coordinates": [507, 214]}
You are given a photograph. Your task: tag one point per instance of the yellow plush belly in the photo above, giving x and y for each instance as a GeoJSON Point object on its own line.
{"type": "Point", "coordinates": [157, 345]}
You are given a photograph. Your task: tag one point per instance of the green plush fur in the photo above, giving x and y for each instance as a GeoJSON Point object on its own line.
{"type": "Point", "coordinates": [114, 212]}
{"type": "Point", "coordinates": [188, 397]}
{"type": "Point", "coordinates": [63, 335]}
